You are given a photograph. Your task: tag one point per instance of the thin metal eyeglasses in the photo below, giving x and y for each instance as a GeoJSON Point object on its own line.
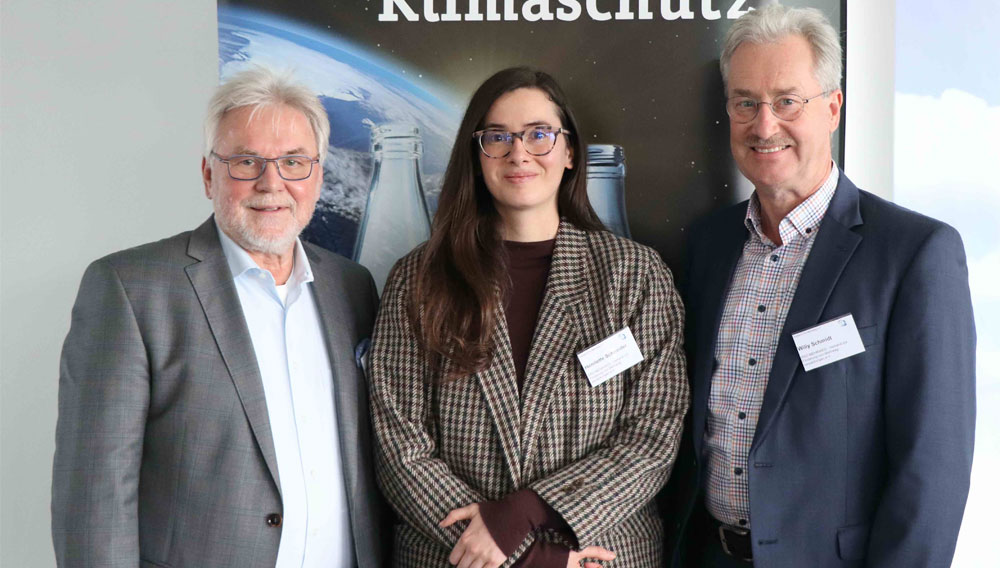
{"type": "Point", "coordinates": [245, 167]}
{"type": "Point", "coordinates": [785, 107]}
{"type": "Point", "coordinates": [537, 140]}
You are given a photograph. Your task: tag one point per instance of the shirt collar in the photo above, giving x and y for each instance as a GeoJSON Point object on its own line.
{"type": "Point", "coordinates": [800, 222]}
{"type": "Point", "coordinates": [240, 262]}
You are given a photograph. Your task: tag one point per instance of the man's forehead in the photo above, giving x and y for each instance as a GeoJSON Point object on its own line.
{"type": "Point", "coordinates": [773, 68]}
{"type": "Point", "coordinates": [247, 127]}
{"type": "Point", "coordinates": [270, 116]}
{"type": "Point", "coordinates": [253, 151]}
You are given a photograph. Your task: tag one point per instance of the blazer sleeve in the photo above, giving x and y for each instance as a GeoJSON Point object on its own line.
{"type": "Point", "coordinates": [929, 408]}
{"type": "Point", "coordinates": [103, 402]}
{"type": "Point", "coordinates": [418, 484]}
{"type": "Point", "coordinates": [626, 471]}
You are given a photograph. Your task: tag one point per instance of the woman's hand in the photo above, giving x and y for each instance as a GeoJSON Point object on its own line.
{"type": "Point", "coordinates": [590, 552]}
{"type": "Point", "coordinates": [475, 548]}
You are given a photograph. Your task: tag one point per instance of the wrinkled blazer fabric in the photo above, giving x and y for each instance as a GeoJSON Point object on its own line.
{"type": "Point", "coordinates": [164, 455]}
{"type": "Point", "coordinates": [597, 455]}
{"type": "Point", "coordinates": [865, 461]}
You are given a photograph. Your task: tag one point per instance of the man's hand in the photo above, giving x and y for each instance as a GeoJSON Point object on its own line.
{"type": "Point", "coordinates": [590, 552]}
{"type": "Point", "coordinates": [475, 548]}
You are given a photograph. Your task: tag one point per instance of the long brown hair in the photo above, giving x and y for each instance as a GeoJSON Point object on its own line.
{"type": "Point", "coordinates": [456, 299]}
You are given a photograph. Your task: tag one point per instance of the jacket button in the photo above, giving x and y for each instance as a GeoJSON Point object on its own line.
{"type": "Point", "coordinates": [274, 520]}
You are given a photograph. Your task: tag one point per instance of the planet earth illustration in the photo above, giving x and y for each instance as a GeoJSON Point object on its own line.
{"type": "Point", "coordinates": [359, 88]}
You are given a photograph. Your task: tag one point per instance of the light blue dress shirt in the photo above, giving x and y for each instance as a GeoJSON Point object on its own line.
{"type": "Point", "coordinates": [288, 340]}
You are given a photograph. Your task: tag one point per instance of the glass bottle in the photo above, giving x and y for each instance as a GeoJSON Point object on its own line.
{"type": "Point", "coordinates": [396, 218]}
{"type": "Point", "coordinates": [606, 186]}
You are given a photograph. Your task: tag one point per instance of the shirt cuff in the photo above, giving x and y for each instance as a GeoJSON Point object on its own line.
{"type": "Point", "coordinates": [510, 519]}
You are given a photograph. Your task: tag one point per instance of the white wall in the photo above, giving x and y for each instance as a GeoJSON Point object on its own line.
{"type": "Point", "coordinates": [100, 116]}
{"type": "Point", "coordinates": [100, 119]}
{"type": "Point", "coordinates": [871, 66]}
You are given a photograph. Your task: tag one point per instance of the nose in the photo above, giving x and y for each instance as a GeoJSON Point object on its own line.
{"type": "Point", "coordinates": [517, 151]}
{"type": "Point", "coordinates": [765, 124]}
{"type": "Point", "coordinates": [269, 180]}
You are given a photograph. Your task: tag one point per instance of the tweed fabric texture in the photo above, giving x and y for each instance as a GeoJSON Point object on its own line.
{"type": "Point", "coordinates": [597, 455]}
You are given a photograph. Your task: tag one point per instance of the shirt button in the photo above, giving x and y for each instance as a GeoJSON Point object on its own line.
{"type": "Point", "coordinates": [743, 522]}
{"type": "Point", "coordinates": [774, 258]}
{"type": "Point", "coordinates": [808, 230]}
{"type": "Point", "coordinates": [742, 415]}
{"type": "Point", "coordinates": [752, 362]}
{"type": "Point", "coordinates": [738, 471]}
{"type": "Point", "coordinates": [761, 308]}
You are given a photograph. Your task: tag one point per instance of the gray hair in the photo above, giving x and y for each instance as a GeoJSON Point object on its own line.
{"type": "Point", "coordinates": [772, 24]}
{"type": "Point", "coordinates": [260, 87]}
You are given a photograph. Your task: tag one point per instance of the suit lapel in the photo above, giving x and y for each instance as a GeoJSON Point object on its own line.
{"type": "Point", "coordinates": [556, 338]}
{"type": "Point", "coordinates": [499, 384]}
{"type": "Point", "coordinates": [834, 246]}
{"type": "Point", "coordinates": [335, 314]}
{"type": "Point", "coordinates": [213, 283]}
{"type": "Point", "coordinates": [729, 240]}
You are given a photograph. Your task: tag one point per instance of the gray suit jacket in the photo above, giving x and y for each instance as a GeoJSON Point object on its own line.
{"type": "Point", "coordinates": [164, 454]}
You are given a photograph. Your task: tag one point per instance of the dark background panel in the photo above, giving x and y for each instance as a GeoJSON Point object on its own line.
{"type": "Point", "coordinates": [652, 86]}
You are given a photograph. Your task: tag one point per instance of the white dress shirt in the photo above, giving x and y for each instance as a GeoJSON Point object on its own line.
{"type": "Point", "coordinates": [288, 340]}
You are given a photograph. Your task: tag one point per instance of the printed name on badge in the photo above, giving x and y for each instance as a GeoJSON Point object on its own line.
{"type": "Point", "coordinates": [828, 342]}
{"type": "Point", "coordinates": [610, 357]}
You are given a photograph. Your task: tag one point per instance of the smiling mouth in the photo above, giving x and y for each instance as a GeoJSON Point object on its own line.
{"type": "Point", "coordinates": [768, 149]}
{"type": "Point", "coordinates": [274, 209]}
{"type": "Point", "coordinates": [516, 178]}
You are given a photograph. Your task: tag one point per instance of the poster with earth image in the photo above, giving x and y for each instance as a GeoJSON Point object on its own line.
{"type": "Point", "coordinates": [394, 76]}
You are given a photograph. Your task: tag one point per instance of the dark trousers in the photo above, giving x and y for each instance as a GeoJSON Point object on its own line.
{"type": "Point", "coordinates": [702, 547]}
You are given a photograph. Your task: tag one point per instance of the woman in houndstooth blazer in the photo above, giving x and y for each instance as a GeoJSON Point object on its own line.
{"type": "Point", "coordinates": [492, 446]}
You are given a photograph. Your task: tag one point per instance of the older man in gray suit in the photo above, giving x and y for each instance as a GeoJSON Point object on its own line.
{"type": "Point", "coordinates": [211, 411]}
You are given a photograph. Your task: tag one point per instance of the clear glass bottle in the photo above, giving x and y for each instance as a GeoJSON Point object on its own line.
{"type": "Point", "coordinates": [606, 186]}
{"type": "Point", "coordinates": [396, 218]}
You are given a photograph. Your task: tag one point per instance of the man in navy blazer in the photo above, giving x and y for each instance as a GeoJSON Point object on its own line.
{"type": "Point", "coordinates": [865, 459]}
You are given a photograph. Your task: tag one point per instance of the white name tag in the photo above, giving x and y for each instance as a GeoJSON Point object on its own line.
{"type": "Point", "coordinates": [828, 342]}
{"type": "Point", "coordinates": [610, 356]}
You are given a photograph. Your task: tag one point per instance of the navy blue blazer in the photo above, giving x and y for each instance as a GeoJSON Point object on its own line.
{"type": "Point", "coordinates": [866, 461]}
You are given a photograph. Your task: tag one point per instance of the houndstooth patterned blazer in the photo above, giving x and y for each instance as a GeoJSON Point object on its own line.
{"type": "Point", "coordinates": [597, 455]}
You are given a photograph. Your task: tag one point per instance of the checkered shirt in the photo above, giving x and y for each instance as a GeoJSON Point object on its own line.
{"type": "Point", "coordinates": [759, 296]}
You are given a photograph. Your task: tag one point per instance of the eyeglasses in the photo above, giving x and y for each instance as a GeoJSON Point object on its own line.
{"type": "Point", "coordinates": [785, 107]}
{"type": "Point", "coordinates": [537, 141]}
{"type": "Point", "coordinates": [245, 167]}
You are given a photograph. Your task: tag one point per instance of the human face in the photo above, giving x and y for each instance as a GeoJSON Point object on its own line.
{"type": "Point", "coordinates": [265, 215]}
{"type": "Point", "coordinates": [780, 155]}
{"type": "Point", "coordinates": [521, 183]}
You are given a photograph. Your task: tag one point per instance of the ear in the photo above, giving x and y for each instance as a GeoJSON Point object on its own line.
{"type": "Point", "coordinates": [836, 104]}
{"type": "Point", "coordinates": [569, 156]}
{"type": "Point", "coordinates": [206, 176]}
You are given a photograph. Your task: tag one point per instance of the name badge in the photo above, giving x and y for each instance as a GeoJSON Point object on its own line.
{"type": "Point", "coordinates": [828, 342]}
{"type": "Point", "coordinates": [610, 356]}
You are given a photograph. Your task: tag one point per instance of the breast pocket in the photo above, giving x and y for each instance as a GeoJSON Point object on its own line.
{"type": "Point", "coordinates": [869, 335]}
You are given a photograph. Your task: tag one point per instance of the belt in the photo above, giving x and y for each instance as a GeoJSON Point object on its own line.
{"type": "Point", "coordinates": [735, 541]}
